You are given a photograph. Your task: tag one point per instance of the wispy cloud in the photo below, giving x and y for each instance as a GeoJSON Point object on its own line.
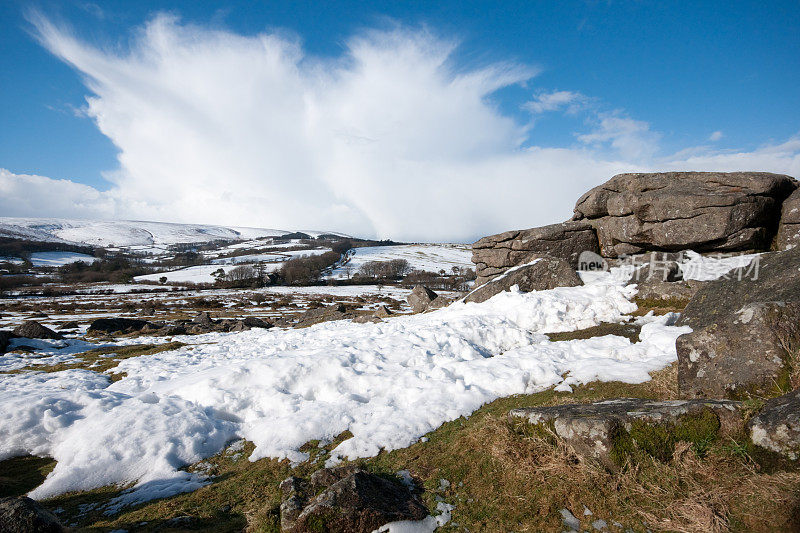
{"type": "Point", "coordinates": [716, 136]}
{"type": "Point", "coordinates": [392, 139]}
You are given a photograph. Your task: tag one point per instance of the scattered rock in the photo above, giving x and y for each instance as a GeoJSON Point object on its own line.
{"type": "Point", "coordinates": [495, 254]}
{"type": "Point", "coordinates": [382, 312]}
{"type": "Point", "coordinates": [23, 515]}
{"type": "Point", "coordinates": [668, 271]}
{"type": "Point", "coordinates": [348, 500]}
{"type": "Point", "coordinates": [777, 426]}
{"type": "Point", "coordinates": [702, 211]}
{"type": "Point", "coordinates": [609, 431]}
{"type": "Point", "coordinates": [39, 315]}
{"type": "Point", "coordinates": [115, 325]}
{"type": "Point", "coordinates": [69, 325]}
{"type": "Point", "coordinates": [203, 319]}
{"type": "Point", "coordinates": [421, 298]}
{"type": "Point", "coordinates": [542, 274]}
{"type": "Point", "coordinates": [322, 314]}
{"type": "Point", "coordinates": [148, 311]}
{"type": "Point", "coordinates": [30, 329]}
{"type": "Point", "coordinates": [789, 229]}
{"type": "Point", "coordinates": [748, 352]}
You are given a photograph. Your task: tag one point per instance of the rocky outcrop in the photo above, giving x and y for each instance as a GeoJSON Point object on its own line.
{"type": "Point", "coordinates": [23, 515]}
{"type": "Point", "coordinates": [421, 298]}
{"type": "Point", "coordinates": [789, 229]}
{"type": "Point", "coordinates": [777, 426]}
{"type": "Point", "coordinates": [495, 254]}
{"type": "Point", "coordinates": [345, 500]}
{"type": "Point", "coordinates": [5, 338]}
{"type": "Point", "coordinates": [702, 211]}
{"type": "Point", "coordinates": [541, 274]}
{"type": "Point", "coordinates": [31, 329]}
{"type": "Point", "coordinates": [610, 431]}
{"type": "Point", "coordinates": [746, 331]}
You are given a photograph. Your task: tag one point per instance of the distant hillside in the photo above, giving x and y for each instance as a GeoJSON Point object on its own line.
{"type": "Point", "coordinates": [128, 233]}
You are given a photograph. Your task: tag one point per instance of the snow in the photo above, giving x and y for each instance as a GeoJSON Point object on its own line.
{"type": "Point", "coordinates": [57, 259]}
{"type": "Point", "coordinates": [388, 383]}
{"type": "Point", "coordinates": [707, 268]}
{"type": "Point", "coordinates": [129, 233]}
{"type": "Point", "coordinates": [430, 257]}
{"type": "Point", "coordinates": [428, 524]}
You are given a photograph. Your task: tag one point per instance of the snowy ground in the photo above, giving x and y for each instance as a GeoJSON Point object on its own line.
{"type": "Point", "coordinates": [57, 259]}
{"type": "Point", "coordinates": [430, 257]}
{"type": "Point", "coordinates": [387, 383]}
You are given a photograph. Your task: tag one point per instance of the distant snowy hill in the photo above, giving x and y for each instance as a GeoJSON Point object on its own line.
{"type": "Point", "coordinates": [127, 233]}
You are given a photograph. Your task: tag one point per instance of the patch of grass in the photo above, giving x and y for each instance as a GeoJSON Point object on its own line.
{"type": "Point", "coordinates": [103, 359]}
{"type": "Point", "coordinates": [501, 480]}
{"type": "Point", "coordinates": [629, 331]}
{"type": "Point", "coordinates": [20, 475]}
{"type": "Point", "coordinates": [660, 306]}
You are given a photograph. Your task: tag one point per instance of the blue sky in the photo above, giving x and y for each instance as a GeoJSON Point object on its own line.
{"type": "Point", "coordinates": [679, 72]}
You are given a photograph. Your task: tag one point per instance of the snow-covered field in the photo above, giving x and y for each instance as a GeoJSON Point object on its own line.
{"type": "Point", "coordinates": [388, 383]}
{"type": "Point", "coordinates": [126, 233]}
{"type": "Point", "coordinates": [57, 259]}
{"type": "Point", "coordinates": [430, 257]}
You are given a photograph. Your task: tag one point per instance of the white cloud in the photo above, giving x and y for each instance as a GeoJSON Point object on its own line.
{"type": "Point", "coordinates": [30, 195]}
{"type": "Point", "coordinates": [571, 101]}
{"type": "Point", "coordinates": [716, 136]}
{"type": "Point", "coordinates": [391, 139]}
{"type": "Point", "coordinates": [632, 139]}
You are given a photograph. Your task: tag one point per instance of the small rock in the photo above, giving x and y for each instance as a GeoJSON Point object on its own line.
{"type": "Point", "coordinates": [347, 500]}
{"type": "Point", "coordinates": [148, 311]}
{"type": "Point", "coordinates": [23, 515]}
{"type": "Point", "coordinates": [382, 312]}
{"type": "Point", "coordinates": [366, 319]}
{"type": "Point", "coordinates": [322, 314]}
{"type": "Point", "coordinates": [5, 337]}
{"type": "Point", "coordinates": [569, 520]}
{"type": "Point", "coordinates": [777, 426]}
{"type": "Point", "coordinates": [541, 274]}
{"type": "Point", "coordinates": [203, 319]}
{"type": "Point", "coordinates": [31, 329]}
{"type": "Point", "coordinates": [69, 325]}
{"type": "Point", "coordinates": [420, 298]}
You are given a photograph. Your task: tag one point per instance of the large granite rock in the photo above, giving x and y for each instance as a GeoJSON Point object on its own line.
{"type": "Point", "coordinates": [746, 330]}
{"type": "Point", "coordinates": [611, 430]}
{"type": "Point", "coordinates": [345, 500]}
{"type": "Point", "coordinates": [702, 211]}
{"type": "Point", "coordinates": [772, 277]}
{"type": "Point", "coordinates": [541, 274]}
{"type": "Point", "coordinates": [777, 426]}
{"type": "Point", "coordinates": [495, 254]}
{"type": "Point", "coordinates": [23, 515]}
{"type": "Point", "coordinates": [749, 352]}
{"type": "Point", "coordinates": [789, 229]}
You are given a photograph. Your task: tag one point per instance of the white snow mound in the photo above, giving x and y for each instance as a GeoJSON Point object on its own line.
{"type": "Point", "coordinates": [387, 383]}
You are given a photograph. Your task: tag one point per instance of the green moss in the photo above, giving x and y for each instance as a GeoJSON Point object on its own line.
{"type": "Point", "coordinates": [658, 440]}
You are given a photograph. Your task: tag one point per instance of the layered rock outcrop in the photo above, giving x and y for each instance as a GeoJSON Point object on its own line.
{"type": "Point", "coordinates": [495, 254]}
{"type": "Point", "coordinates": [541, 274]}
{"type": "Point", "coordinates": [702, 211]}
{"type": "Point", "coordinates": [664, 211]}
